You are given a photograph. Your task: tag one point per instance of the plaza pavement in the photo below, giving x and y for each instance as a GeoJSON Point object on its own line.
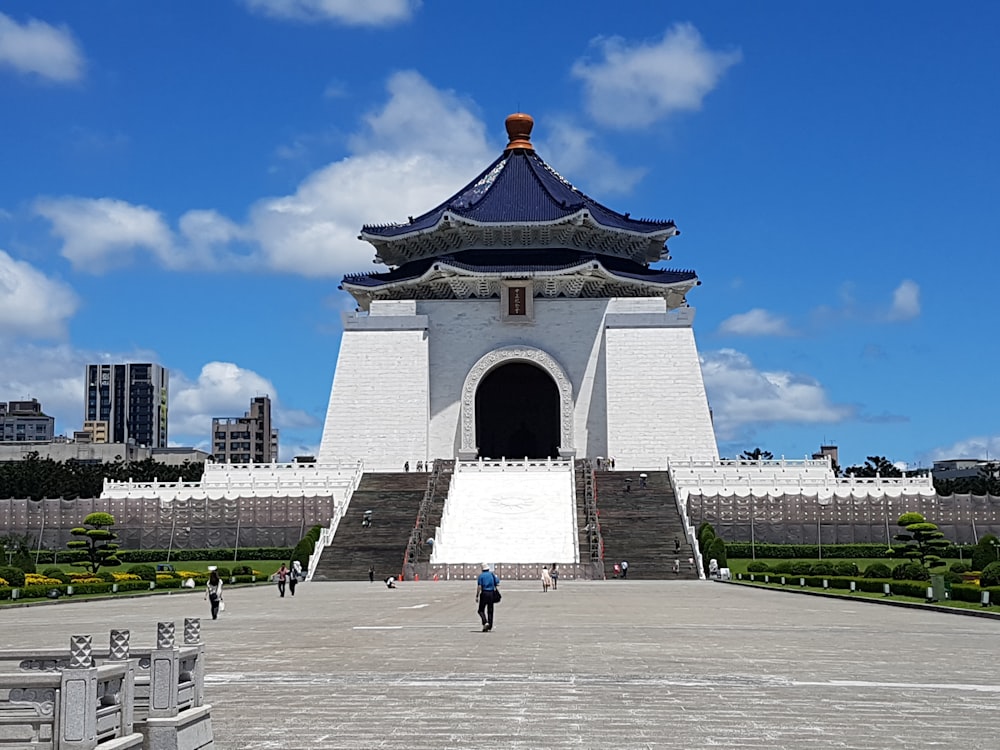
{"type": "Point", "coordinates": [614, 664]}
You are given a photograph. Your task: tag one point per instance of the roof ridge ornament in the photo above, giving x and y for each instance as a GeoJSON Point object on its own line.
{"type": "Point", "coordinates": [519, 127]}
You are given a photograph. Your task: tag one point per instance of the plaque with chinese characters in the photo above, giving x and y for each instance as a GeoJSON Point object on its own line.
{"type": "Point", "coordinates": [516, 302]}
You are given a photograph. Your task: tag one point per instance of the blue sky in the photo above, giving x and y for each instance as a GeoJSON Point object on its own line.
{"type": "Point", "coordinates": [185, 182]}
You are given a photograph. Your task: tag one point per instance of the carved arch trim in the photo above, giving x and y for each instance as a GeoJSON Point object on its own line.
{"type": "Point", "coordinates": [490, 361]}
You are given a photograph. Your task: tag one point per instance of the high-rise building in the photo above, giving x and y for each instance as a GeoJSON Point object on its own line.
{"type": "Point", "coordinates": [132, 399]}
{"type": "Point", "coordinates": [24, 421]}
{"type": "Point", "coordinates": [246, 439]}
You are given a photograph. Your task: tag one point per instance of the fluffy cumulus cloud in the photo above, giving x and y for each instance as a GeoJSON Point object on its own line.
{"type": "Point", "coordinates": [979, 447]}
{"type": "Point", "coordinates": [348, 12]}
{"type": "Point", "coordinates": [743, 396]}
{"type": "Point", "coordinates": [40, 49]}
{"type": "Point", "coordinates": [572, 149]}
{"type": "Point", "coordinates": [423, 145]}
{"type": "Point", "coordinates": [98, 233]}
{"type": "Point", "coordinates": [32, 304]}
{"type": "Point", "coordinates": [635, 85]}
{"type": "Point", "coordinates": [756, 322]}
{"type": "Point", "coordinates": [905, 301]}
{"type": "Point", "coordinates": [222, 389]}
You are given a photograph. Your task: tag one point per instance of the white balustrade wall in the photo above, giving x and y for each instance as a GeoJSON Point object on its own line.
{"type": "Point", "coordinates": [509, 512]}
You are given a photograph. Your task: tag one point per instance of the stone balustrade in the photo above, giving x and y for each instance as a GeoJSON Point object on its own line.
{"type": "Point", "coordinates": [148, 697]}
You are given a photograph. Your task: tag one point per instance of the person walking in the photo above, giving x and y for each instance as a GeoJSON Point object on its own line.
{"type": "Point", "coordinates": [294, 576]}
{"type": "Point", "coordinates": [213, 591]}
{"type": "Point", "coordinates": [555, 577]}
{"type": "Point", "coordinates": [371, 574]}
{"type": "Point", "coordinates": [624, 569]}
{"type": "Point", "coordinates": [546, 580]}
{"type": "Point", "coordinates": [486, 591]}
{"type": "Point", "coordinates": [677, 546]}
{"type": "Point", "coordinates": [282, 576]}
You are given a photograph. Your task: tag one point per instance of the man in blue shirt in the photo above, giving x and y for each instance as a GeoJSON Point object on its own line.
{"type": "Point", "coordinates": [486, 590]}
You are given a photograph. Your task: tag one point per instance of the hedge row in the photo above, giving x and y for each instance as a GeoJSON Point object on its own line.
{"type": "Point", "coordinates": [812, 551]}
{"type": "Point", "coordinates": [46, 557]}
{"type": "Point", "coordinates": [963, 592]}
{"type": "Point", "coordinates": [40, 591]}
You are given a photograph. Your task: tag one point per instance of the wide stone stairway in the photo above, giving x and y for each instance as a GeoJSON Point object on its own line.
{"type": "Point", "coordinates": [640, 525]}
{"type": "Point", "coordinates": [394, 500]}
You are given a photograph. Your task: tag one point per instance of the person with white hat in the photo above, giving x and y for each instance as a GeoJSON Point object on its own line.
{"type": "Point", "coordinates": [213, 591]}
{"type": "Point", "coordinates": [487, 594]}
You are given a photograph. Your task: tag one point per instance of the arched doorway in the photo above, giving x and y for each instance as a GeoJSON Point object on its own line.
{"type": "Point", "coordinates": [517, 412]}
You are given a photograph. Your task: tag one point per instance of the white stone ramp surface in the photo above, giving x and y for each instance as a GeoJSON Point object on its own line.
{"type": "Point", "coordinates": [509, 512]}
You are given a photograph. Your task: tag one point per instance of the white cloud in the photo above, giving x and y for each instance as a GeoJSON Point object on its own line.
{"type": "Point", "coordinates": [635, 85]}
{"type": "Point", "coordinates": [348, 12]}
{"type": "Point", "coordinates": [905, 301]}
{"type": "Point", "coordinates": [981, 447]}
{"type": "Point", "coordinates": [572, 149]}
{"type": "Point", "coordinates": [742, 395]}
{"type": "Point", "coordinates": [756, 322]}
{"type": "Point", "coordinates": [40, 49]}
{"type": "Point", "coordinates": [423, 145]}
{"type": "Point", "coordinates": [98, 232]}
{"type": "Point", "coordinates": [32, 304]}
{"type": "Point", "coordinates": [223, 389]}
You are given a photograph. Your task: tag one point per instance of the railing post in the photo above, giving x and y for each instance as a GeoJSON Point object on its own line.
{"type": "Point", "coordinates": [119, 650]}
{"type": "Point", "coordinates": [78, 697]}
{"type": "Point", "coordinates": [163, 677]}
{"type": "Point", "coordinates": [192, 637]}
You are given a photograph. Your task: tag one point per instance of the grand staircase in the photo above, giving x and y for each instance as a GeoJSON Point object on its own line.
{"type": "Point", "coordinates": [640, 525]}
{"type": "Point", "coordinates": [394, 500]}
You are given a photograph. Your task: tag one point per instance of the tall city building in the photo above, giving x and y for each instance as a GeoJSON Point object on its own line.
{"type": "Point", "coordinates": [131, 399]}
{"type": "Point", "coordinates": [246, 439]}
{"type": "Point", "coordinates": [24, 421]}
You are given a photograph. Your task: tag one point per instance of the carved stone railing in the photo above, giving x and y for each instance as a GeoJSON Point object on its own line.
{"type": "Point", "coordinates": [595, 541]}
{"type": "Point", "coordinates": [418, 536]}
{"type": "Point", "coordinates": [158, 691]}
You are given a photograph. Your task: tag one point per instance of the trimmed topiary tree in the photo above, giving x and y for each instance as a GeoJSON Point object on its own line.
{"type": "Point", "coordinates": [984, 552]}
{"type": "Point", "coordinates": [845, 569]}
{"type": "Point", "coordinates": [910, 571]}
{"type": "Point", "coordinates": [923, 541]}
{"type": "Point", "coordinates": [877, 570]}
{"type": "Point", "coordinates": [97, 542]}
{"type": "Point", "coordinates": [716, 551]}
{"type": "Point", "coordinates": [990, 575]}
{"type": "Point", "coordinates": [757, 566]}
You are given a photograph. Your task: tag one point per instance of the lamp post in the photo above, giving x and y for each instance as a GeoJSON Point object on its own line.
{"type": "Point", "coordinates": [10, 549]}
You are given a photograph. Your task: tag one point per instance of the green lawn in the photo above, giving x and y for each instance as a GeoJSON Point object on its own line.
{"type": "Point", "coordinates": [266, 567]}
{"type": "Point", "coordinates": [867, 595]}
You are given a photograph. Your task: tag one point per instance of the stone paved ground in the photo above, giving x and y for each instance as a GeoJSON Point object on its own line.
{"type": "Point", "coordinates": [636, 664]}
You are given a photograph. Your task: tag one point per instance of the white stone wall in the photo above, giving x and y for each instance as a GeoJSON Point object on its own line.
{"type": "Point", "coordinates": [378, 402]}
{"type": "Point", "coordinates": [657, 408]}
{"type": "Point", "coordinates": [636, 380]}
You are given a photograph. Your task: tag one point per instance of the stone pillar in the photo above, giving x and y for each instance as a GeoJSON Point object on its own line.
{"type": "Point", "coordinates": [163, 673]}
{"type": "Point", "coordinates": [78, 697]}
{"type": "Point", "coordinates": [119, 650]}
{"type": "Point", "coordinates": [192, 637]}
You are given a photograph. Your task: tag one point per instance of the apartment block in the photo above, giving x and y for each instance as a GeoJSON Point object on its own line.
{"type": "Point", "coordinates": [131, 399]}
{"type": "Point", "coordinates": [246, 439]}
{"type": "Point", "coordinates": [24, 421]}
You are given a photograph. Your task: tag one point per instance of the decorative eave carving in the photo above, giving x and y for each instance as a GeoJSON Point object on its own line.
{"type": "Point", "coordinates": [578, 231]}
{"type": "Point", "coordinates": [588, 279]}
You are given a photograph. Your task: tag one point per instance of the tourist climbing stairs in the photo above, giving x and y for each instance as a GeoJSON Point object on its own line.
{"type": "Point", "coordinates": [639, 524]}
{"type": "Point", "coordinates": [394, 502]}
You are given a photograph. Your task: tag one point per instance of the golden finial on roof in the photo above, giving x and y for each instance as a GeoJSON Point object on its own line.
{"type": "Point", "coordinates": [519, 131]}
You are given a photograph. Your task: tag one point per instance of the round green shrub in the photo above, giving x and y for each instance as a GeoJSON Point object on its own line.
{"type": "Point", "coordinates": [984, 552]}
{"type": "Point", "coordinates": [952, 577]}
{"type": "Point", "coordinates": [878, 570]}
{"type": "Point", "coordinates": [145, 572]}
{"type": "Point", "coordinates": [822, 569]}
{"type": "Point", "coordinates": [910, 571]}
{"type": "Point", "coordinates": [846, 569]}
{"type": "Point", "coordinates": [224, 572]}
{"type": "Point", "coordinates": [757, 567]}
{"type": "Point", "coordinates": [106, 575]}
{"type": "Point", "coordinates": [13, 576]}
{"type": "Point", "coordinates": [242, 570]}
{"type": "Point", "coordinates": [960, 567]}
{"type": "Point", "coordinates": [801, 568]}
{"type": "Point", "coordinates": [990, 575]}
{"type": "Point", "coordinates": [782, 567]}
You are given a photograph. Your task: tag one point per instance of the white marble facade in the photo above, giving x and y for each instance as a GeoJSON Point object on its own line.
{"type": "Point", "coordinates": [627, 372]}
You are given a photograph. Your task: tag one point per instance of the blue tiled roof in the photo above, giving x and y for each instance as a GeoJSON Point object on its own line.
{"type": "Point", "coordinates": [498, 261]}
{"type": "Point", "coordinates": [519, 187]}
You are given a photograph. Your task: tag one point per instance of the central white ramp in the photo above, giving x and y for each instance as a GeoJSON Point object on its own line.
{"type": "Point", "coordinates": [509, 512]}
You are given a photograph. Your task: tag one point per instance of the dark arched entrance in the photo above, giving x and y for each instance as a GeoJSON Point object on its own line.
{"type": "Point", "coordinates": [517, 413]}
